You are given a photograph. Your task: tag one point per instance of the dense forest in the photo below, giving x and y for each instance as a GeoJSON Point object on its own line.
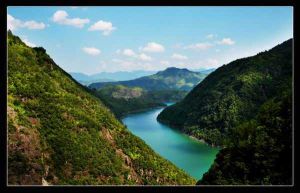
{"type": "Point", "coordinates": [258, 151]}
{"type": "Point", "coordinates": [232, 94]}
{"type": "Point", "coordinates": [123, 100]}
{"type": "Point", "coordinates": [245, 106]}
{"type": "Point", "coordinates": [170, 79]}
{"type": "Point", "coordinates": [59, 132]}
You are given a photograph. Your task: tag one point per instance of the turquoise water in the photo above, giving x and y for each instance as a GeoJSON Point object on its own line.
{"type": "Point", "coordinates": [186, 153]}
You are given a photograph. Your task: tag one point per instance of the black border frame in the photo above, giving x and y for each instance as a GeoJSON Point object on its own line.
{"type": "Point", "coordinates": [3, 89]}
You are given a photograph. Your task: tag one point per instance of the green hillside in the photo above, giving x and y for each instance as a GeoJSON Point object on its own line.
{"type": "Point", "coordinates": [60, 133]}
{"type": "Point", "coordinates": [123, 100]}
{"type": "Point", "coordinates": [258, 151]}
{"type": "Point", "coordinates": [232, 94]}
{"type": "Point", "coordinates": [245, 106]}
{"type": "Point", "coordinates": [169, 79]}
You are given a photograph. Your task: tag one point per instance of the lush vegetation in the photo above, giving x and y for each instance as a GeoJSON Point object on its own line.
{"type": "Point", "coordinates": [169, 79]}
{"type": "Point", "coordinates": [258, 151]}
{"type": "Point", "coordinates": [123, 100]}
{"type": "Point", "coordinates": [245, 106]}
{"type": "Point", "coordinates": [60, 133]}
{"type": "Point", "coordinates": [232, 94]}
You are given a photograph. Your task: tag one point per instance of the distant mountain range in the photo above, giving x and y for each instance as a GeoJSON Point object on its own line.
{"type": "Point", "coordinates": [109, 76]}
{"type": "Point", "coordinates": [120, 76]}
{"type": "Point", "coordinates": [169, 79]}
{"type": "Point", "coordinates": [123, 100]}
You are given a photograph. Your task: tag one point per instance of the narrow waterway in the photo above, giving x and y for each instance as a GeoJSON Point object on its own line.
{"type": "Point", "coordinates": [186, 153]}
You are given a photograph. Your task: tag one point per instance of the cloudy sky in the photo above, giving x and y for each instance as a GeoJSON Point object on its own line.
{"type": "Point", "coordinates": [95, 39]}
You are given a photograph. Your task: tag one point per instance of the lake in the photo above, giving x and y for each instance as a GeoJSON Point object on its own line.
{"type": "Point", "coordinates": [191, 155]}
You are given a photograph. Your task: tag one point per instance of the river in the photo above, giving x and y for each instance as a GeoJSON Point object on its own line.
{"type": "Point", "coordinates": [191, 155]}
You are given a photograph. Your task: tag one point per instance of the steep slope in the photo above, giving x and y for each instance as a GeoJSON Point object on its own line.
{"type": "Point", "coordinates": [260, 150]}
{"type": "Point", "coordinates": [60, 133]}
{"type": "Point", "coordinates": [123, 100]}
{"type": "Point", "coordinates": [232, 94]}
{"type": "Point", "coordinates": [171, 78]}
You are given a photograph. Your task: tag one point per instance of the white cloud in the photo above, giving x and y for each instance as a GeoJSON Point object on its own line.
{"type": "Point", "coordinates": [34, 25]}
{"type": "Point", "coordinates": [105, 26]}
{"type": "Point", "coordinates": [28, 43]}
{"type": "Point", "coordinates": [226, 41]}
{"type": "Point", "coordinates": [179, 57]}
{"type": "Point", "coordinates": [13, 24]}
{"type": "Point", "coordinates": [91, 51]}
{"type": "Point", "coordinates": [199, 46]}
{"type": "Point", "coordinates": [144, 57]}
{"type": "Point", "coordinates": [129, 52]}
{"type": "Point", "coordinates": [62, 17]}
{"type": "Point", "coordinates": [132, 54]}
{"type": "Point", "coordinates": [153, 47]}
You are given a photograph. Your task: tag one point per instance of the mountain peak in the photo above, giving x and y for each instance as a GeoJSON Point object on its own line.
{"type": "Point", "coordinates": [174, 69]}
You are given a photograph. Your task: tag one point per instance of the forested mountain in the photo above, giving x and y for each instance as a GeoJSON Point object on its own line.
{"type": "Point", "coordinates": [258, 151]}
{"type": "Point", "coordinates": [123, 100]}
{"type": "Point", "coordinates": [170, 79]}
{"type": "Point", "coordinates": [245, 106]}
{"type": "Point", "coordinates": [232, 94]}
{"type": "Point", "coordinates": [59, 132]}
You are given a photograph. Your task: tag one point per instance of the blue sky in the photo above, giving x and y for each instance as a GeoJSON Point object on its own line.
{"type": "Point", "coordinates": [95, 39]}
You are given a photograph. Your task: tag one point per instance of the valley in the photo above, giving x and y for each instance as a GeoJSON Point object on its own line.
{"type": "Point", "coordinates": [151, 96]}
{"type": "Point", "coordinates": [195, 157]}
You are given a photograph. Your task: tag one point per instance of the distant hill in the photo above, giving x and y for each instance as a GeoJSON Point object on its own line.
{"type": "Point", "coordinates": [109, 76]}
{"type": "Point", "coordinates": [172, 78]}
{"type": "Point", "coordinates": [86, 79]}
{"type": "Point", "coordinates": [123, 100]}
{"type": "Point", "coordinates": [60, 133]}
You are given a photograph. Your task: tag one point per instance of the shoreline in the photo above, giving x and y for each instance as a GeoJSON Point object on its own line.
{"type": "Point", "coordinates": [190, 136]}
{"type": "Point", "coordinates": [203, 141]}
{"type": "Point", "coordinates": [163, 105]}
{"type": "Point", "coordinates": [169, 125]}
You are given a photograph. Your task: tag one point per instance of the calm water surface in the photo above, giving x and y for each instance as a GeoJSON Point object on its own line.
{"type": "Point", "coordinates": [186, 153]}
